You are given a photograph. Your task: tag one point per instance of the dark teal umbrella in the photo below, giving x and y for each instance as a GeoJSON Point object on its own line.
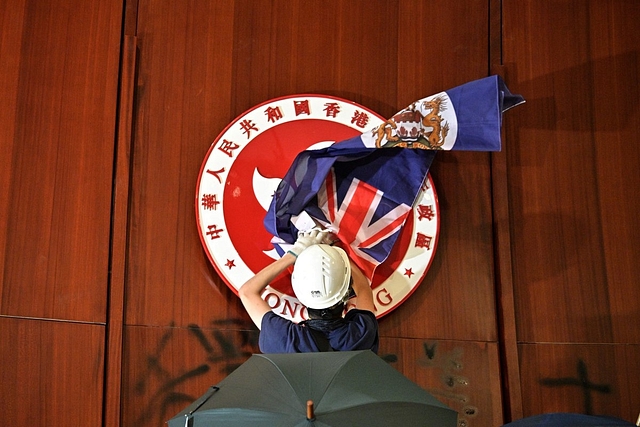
{"type": "Point", "coordinates": [351, 388]}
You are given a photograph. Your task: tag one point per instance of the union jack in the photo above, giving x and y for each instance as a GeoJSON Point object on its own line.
{"type": "Point", "coordinates": [352, 220]}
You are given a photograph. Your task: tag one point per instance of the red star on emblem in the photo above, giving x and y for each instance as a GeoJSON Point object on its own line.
{"type": "Point", "coordinates": [230, 263]}
{"type": "Point", "coordinates": [408, 272]}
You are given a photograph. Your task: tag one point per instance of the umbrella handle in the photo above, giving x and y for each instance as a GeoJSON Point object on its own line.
{"type": "Point", "coordinates": [310, 414]}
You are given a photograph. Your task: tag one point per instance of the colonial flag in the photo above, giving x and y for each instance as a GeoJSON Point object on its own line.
{"type": "Point", "coordinates": [363, 188]}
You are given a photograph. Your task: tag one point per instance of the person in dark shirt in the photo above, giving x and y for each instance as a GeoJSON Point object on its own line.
{"type": "Point", "coordinates": [323, 280]}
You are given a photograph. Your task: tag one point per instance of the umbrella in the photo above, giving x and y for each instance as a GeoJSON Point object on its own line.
{"type": "Point", "coordinates": [562, 419]}
{"type": "Point", "coordinates": [350, 388]}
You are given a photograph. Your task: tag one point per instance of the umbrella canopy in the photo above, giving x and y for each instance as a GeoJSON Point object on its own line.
{"type": "Point", "coordinates": [350, 388]}
{"type": "Point", "coordinates": [561, 419]}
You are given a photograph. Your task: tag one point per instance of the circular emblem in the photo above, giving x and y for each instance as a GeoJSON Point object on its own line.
{"type": "Point", "coordinates": [242, 170]}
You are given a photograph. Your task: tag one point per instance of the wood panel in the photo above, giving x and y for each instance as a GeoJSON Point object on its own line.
{"type": "Point", "coordinates": [338, 48]}
{"type": "Point", "coordinates": [11, 28]}
{"type": "Point", "coordinates": [573, 186]}
{"type": "Point", "coordinates": [588, 379]}
{"type": "Point", "coordinates": [573, 169]}
{"type": "Point", "coordinates": [616, 121]}
{"type": "Point", "coordinates": [440, 45]}
{"type": "Point", "coordinates": [52, 373]}
{"type": "Point", "coordinates": [461, 374]}
{"type": "Point", "coordinates": [183, 97]}
{"type": "Point", "coordinates": [60, 77]}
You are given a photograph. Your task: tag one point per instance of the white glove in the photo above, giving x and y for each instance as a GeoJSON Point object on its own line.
{"type": "Point", "coordinates": [308, 238]}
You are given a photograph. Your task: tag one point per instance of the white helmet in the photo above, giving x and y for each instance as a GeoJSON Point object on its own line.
{"type": "Point", "coordinates": [321, 276]}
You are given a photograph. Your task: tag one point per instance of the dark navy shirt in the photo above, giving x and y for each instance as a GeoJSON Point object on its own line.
{"type": "Point", "coordinates": [280, 335]}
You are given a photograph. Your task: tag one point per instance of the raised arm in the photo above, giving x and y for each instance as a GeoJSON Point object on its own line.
{"type": "Point", "coordinates": [362, 288]}
{"type": "Point", "coordinates": [251, 292]}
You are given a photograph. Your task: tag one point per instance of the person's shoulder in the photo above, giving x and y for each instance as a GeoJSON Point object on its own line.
{"type": "Point", "coordinates": [271, 319]}
{"type": "Point", "coordinates": [356, 314]}
{"type": "Point", "coordinates": [272, 323]}
{"type": "Point", "coordinates": [281, 335]}
{"type": "Point", "coordinates": [360, 332]}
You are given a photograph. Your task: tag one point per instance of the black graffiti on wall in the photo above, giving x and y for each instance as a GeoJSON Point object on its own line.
{"type": "Point", "coordinates": [583, 382]}
{"type": "Point", "coordinates": [226, 346]}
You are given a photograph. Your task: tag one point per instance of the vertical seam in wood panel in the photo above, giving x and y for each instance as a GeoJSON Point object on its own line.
{"type": "Point", "coordinates": [119, 233]}
{"type": "Point", "coordinates": [495, 34]}
{"type": "Point", "coordinates": [505, 301]}
{"type": "Point", "coordinates": [504, 292]}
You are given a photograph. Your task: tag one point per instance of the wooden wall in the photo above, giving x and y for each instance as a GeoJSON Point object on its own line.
{"type": "Point", "coordinates": [574, 187]}
{"type": "Point", "coordinates": [58, 85]}
{"type": "Point", "coordinates": [110, 311]}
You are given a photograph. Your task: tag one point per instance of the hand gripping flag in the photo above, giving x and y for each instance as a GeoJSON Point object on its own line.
{"type": "Point", "coordinates": [363, 188]}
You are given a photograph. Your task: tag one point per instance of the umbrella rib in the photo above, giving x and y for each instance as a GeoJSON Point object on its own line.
{"type": "Point", "coordinates": [287, 379]}
{"type": "Point", "coordinates": [207, 396]}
